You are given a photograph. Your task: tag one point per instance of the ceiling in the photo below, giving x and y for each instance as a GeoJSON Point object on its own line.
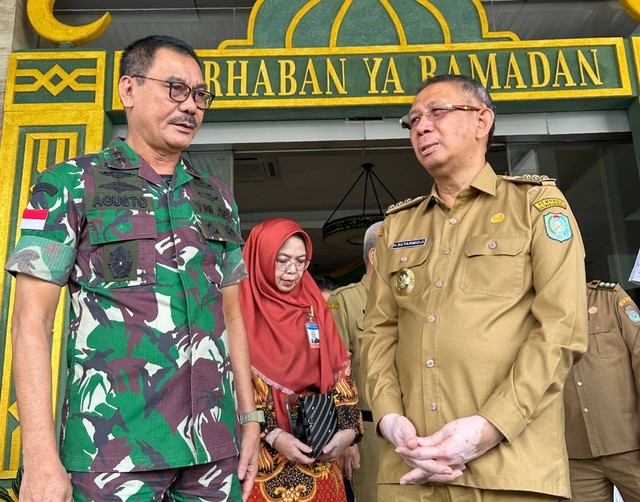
{"type": "Point", "coordinates": [306, 181]}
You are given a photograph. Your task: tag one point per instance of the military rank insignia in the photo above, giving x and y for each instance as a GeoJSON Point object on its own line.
{"type": "Point", "coordinates": [557, 226]}
{"type": "Point", "coordinates": [405, 281]}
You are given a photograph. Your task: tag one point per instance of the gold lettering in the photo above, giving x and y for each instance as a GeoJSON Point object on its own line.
{"type": "Point", "coordinates": [427, 67]}
{"type": "Point", "coordinates": [288, 85]}
{"type": "Point", "coordinates": [262, 80]}
{"type": "Point", "coordinates": [563, 70]}
{"type": "Point", "coordinates": [242, 78]}
{"type": "Point", "coordinates": [535, 75]}
{"type": "Point", "coordinates": [453, 66]}
{"type": "Point", "coordinates": [392, 78]}
{"type": "Point", "coordinates": [483, 77]}
{"type": "Point", "coordinates": [211, 75]}
{"type": "Point", "coordinates": [513, 71]}
{"type": "Point", "coordinates": [373, 73]}
{"type": "Point", "coordinates": [584, 66]}
{"type": "Point", "coordinates": [332, 76]}
{"type": "Point", "coordinates": [310, 78]}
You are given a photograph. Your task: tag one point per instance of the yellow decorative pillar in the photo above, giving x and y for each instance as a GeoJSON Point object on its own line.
{"type": "Point", "coordinates": [54, 109]}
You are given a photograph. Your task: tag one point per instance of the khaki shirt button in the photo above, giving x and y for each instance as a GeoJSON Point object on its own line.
{"type": "Point", "coordinates": [492, 245]}
{"type": "Point", "coordinates": [404, 258]}
{"type": "Point", "coordinates": [446, 251]}
{"type": "Point", "coordinates": [453, 221]}
{"type": "Point", "coordinates": [433, 406]}
{"type": "Point", "coordinates": [430, 363]}
{"type": "Point", "coordinates": [431, 318]}
{"type": "Point", "coordinates": [579, 384]}
{"type": "Point", "coordinates": [586, 410]}
{"type": "Point", "coordinates": [439, 284]}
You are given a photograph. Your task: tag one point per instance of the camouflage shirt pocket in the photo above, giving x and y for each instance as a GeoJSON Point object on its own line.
{"type": "Point", "coordinates": [122, 248]}
{"type": "Point", "coordinates": [218, 234]}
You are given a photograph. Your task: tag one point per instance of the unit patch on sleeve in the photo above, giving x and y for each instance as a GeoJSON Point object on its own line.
{"type": "Point", "coordinates": [543, 204]}
{"type": "Point", "coordinates": [557, 226]}
{"type": "Point", "coordinates": [622, 302]}
{"type": "Point", "coordinates": [632, 313]}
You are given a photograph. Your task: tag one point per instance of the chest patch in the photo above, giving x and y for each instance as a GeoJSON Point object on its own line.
{"type": "Point", "coordinates": [413, 243]}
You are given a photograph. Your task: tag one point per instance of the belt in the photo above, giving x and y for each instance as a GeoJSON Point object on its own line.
{"type": "Point", "coordinates": [367, 416]}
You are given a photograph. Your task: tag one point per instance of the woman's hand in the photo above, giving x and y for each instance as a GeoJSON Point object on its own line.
{"type": "Point", "coordinates": [340, 441]}
{"type": "Point", "coordinates": [292, 448]}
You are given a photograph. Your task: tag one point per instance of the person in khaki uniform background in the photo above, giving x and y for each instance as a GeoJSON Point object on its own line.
{"type": "Point", "coordinates": [601, 399]}
{"type": "Point", "coordinates": [476, 312]}
{"type": "Point", "coordinates": [360, 462]}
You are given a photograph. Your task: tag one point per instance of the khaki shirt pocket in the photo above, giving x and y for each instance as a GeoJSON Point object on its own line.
{"type": "Point", "coordinates": [605, 340]}
{"type": "Point", "coordinates": [122, 248]}
{"type": "Point", "coordinates": [409, 274]}
{"type": "Point", "coordinates": [493, 264]}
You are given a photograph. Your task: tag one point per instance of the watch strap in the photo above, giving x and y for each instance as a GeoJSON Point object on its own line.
{"type": "Point", "coordinates": [252, 416]}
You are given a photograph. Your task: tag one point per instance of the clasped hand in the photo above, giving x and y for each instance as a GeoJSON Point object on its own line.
{"type": "Point", "coordinates": [296, 451]}
{"type": "Point", "coordinates": [441, 457]}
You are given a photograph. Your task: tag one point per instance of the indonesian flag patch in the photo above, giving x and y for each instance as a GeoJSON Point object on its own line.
{"type": "Point", "coordinates": [34, 219]}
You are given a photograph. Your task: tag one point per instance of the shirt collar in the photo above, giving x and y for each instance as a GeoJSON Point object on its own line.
{"type": "Point", "coordinates": [119, 155]}
{"type": "Point", "coordinates": [486, 180]}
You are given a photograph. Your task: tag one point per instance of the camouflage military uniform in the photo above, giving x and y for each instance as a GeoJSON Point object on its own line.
{"type": "Point", "coordinates": [150, 383]}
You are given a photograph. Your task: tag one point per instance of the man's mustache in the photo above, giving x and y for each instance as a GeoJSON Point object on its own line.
{"type": "Point", "coordinates": [184, 118]}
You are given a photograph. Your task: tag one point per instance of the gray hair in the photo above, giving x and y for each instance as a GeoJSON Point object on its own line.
{"type": "Point", "coordinates": [370, 239]}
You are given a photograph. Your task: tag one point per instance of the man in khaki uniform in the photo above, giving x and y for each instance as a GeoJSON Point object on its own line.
{"type": "Point", "coordinates": [601, 399]}
{"type": "Point", "coordinates": [476, 312]}
{"type": "Point", "coordinates": [347, 304]}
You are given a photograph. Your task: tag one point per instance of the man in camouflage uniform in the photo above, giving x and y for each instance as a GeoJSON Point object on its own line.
{"type": "Point", "coordinates": [149, 248]}
{"type": "Point", "coordinates": [347, 304]}
{"type": "Point", "coordinates": [602, 400]}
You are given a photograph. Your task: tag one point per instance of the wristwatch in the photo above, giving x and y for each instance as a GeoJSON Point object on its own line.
{"type": "Point", "coordinates": [252, 416]}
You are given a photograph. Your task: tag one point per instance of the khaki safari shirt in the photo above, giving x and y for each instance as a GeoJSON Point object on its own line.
{"type": "Point", "coordinates": [601, 393]}
{"type": "Point", "coordinates": [150, 383]}
{"type": "Point", "coordinates": [347, 306]}
{"type": "Point", "coordinates": [479, 309]}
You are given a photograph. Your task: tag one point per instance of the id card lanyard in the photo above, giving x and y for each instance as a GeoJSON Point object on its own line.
{"type": "Point", "coordinates": [313, 330]}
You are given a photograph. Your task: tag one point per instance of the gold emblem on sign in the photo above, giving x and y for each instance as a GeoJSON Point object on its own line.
{"type": "Point", "coordinates": [405, 281]}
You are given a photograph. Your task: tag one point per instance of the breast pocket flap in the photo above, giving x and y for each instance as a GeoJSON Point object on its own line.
{"type": "Point", "coordinates": [494, 245]}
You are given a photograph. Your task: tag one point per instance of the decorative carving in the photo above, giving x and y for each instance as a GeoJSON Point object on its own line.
{"type": "Point", "coordinates": [40, 13]}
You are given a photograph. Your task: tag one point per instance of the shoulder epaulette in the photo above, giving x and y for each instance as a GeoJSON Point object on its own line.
{"type": "Point", "coordinates": [532, 179]}
{"type": "Point", "coordinates": [344, 288]}
{"type": "Point", "coordinates": [606, 286]}
{"type": "Point", "coordinates": [399, 206]}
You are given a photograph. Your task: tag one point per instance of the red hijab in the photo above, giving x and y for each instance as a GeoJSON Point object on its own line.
{"type": "Point", "coordinates": [275, 321]}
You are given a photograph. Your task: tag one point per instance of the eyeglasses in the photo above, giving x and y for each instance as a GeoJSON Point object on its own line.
{"type": "Point", "coordinates": [299, 264]}
{"type": "Point", "coordinates": [411, 120]}
{"type": "Point", "coordinates": [180, 92]}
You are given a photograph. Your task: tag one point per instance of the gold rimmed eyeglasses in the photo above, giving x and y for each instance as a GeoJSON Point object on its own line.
{"type": "Point", "coordinates": [435, 113]}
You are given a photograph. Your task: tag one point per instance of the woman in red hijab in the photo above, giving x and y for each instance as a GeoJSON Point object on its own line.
{"type": "Point", "coordinates": [278, 299]}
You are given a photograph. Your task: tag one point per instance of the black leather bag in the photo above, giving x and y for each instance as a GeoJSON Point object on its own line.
{"type": "Point", "coordinates": [313, 419]}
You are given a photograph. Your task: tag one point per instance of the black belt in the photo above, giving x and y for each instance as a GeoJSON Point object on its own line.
{"type": "Point", "coordinates": [367, 416]}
